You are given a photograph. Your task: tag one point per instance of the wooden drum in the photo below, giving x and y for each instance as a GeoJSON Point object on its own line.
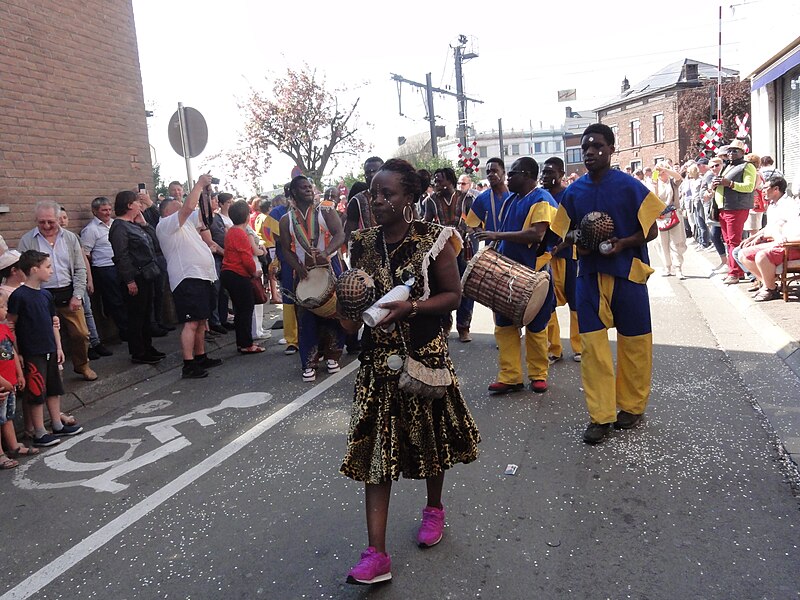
{"type": "Point", "coordinates": [507, 287]}
{"type": "Point", "coordinates": [317, 292]}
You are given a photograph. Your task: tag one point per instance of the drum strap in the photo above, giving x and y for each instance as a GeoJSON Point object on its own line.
{"type": "Point", "coordinates": [307, 232]}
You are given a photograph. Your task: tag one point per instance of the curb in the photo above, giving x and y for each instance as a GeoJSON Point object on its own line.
{"type": "Point", "coordinates": [111, 384]}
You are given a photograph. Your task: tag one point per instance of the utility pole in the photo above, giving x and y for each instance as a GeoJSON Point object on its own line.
{"type": "Point", "coordinates": [429, 90]}
{"type": "Point", "coordinates": [461, 57]}
{"type": "Point", "coordinates": [500, 133]}
{"type": "Point", "coordinates": [431, 115]}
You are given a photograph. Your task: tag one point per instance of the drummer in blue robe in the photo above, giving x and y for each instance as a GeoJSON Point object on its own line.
{"type": "Point", "coordinates": [486, 208]}
{"type": "Point", "coordinates": [611, 288]}
{"type": "Point", "coordinates": [525, 237]}
{"type": "Point", "coordinates": [564, 266]}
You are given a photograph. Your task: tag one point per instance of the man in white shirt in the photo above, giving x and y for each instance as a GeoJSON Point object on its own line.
{"type": "Point", "coordinates": [763, 251]}
{"type": "Point", "coordinates": [94, 239]}
{"type": "Point", "coordinates": [190, 267]}
{"type": "Point", "coordinates": [68, 283]}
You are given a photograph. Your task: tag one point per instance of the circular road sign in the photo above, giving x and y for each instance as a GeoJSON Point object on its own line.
{"type": "Point", "coordinates": [196, 132]}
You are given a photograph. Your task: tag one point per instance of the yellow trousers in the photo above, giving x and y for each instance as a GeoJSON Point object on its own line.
{"type": "Point", "coordinates": [554, 334]}
{"type": "Point", "coordinates": [629, 388]}
{"type": "Point", "coordinates": [290, 325]}
{"type": "Point", "coordinates": [510, 358]}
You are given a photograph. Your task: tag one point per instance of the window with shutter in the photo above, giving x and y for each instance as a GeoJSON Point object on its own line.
{"type": "Point", "coordinates": [789, 161]}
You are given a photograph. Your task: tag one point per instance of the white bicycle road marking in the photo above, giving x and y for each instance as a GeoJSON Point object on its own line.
{"type": "Point", "coordinates": [162, 428]}
{"type": "Point", "coordinates": [93, 542]}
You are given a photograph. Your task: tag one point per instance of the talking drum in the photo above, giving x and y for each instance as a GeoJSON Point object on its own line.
{"type": "Point", "coordinates": [356, 292]}
{"type": "Point", "coordinates": [507, 287]}
{"type": "Point", "coordinates": [317, 292]}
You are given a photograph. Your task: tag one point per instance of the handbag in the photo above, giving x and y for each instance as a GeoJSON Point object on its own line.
{"type": "Point", "coordinates": [712, 210]}
{"type": "Point", "coordinates": [667, 219]}
{"type": "Point", "coordinates": [150, 271]}
{"type": "Point", "coordinates": [421, 380]}
{"type": "Point", "coordinates": [259, 291]}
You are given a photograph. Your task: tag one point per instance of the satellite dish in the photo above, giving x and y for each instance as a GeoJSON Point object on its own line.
{"type": "Point", "coordinates": [196, 132]}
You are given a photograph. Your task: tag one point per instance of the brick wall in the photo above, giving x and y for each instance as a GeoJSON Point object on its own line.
{"type": "Point", "coordinates": [648, 149]}
{"type": "Point", "coordinates": [72, 122]}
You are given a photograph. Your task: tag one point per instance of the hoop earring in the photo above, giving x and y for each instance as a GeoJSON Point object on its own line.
{"type": "Point", "coordinates": [410, 216]}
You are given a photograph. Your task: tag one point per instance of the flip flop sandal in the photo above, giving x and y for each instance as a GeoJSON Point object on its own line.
{"type": "Point", "coordinates": [8, 463]}
{"type": "Point", "coordinates": [251, 350]}
{"type": "Point", "coordinates": [22, 451]}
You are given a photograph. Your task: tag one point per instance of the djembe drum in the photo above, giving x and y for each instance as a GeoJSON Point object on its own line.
{"type": "Point", "coordinates": [595, 228]}
{"type": "Point", "coordinates": [356, 292]}
{"type": "Point", "coordinates": [507, 287]}
{"type": "Point", "coordinates": [317, 292]}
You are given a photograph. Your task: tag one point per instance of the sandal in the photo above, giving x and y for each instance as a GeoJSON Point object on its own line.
{"type": "Point", "coordinates": [68, 419]}
{"type": "Point", "coordinates": [254, 349]}
{"type": "Point", "coordinates": [7, 463]}
{"type": "Point", "coordinates": [21, 450]}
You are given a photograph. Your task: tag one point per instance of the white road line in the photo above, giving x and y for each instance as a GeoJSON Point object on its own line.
{"type": "Point", "coordinates": [110, 530]}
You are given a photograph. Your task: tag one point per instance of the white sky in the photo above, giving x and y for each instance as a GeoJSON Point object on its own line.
{"type": "Point", "coordinates": [207, 54]}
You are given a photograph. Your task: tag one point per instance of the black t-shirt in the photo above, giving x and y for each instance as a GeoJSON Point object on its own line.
{"type": "Point", "coordinates": [35, 310]}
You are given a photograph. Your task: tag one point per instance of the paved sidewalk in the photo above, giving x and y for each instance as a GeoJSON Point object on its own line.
{"type": "Point", "coordinates": [778, 320]}
{"type": "Point", "coordinates": [117, 372]}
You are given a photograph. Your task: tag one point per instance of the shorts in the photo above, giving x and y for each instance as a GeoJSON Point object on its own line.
{"type": "Point", "coordinates": [773, 250]}
{"type": "Point", "coordinates": [193, 300]}
{"type": "Point", "coordinates": [8, 409]}
{"type": "Point", "coordinates": [42, 377]}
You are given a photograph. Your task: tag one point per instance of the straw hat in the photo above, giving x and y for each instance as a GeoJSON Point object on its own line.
{"type": "Point", "coordinates": [738, 144]}
{"type": "Point", "coordinates": [7, 257]}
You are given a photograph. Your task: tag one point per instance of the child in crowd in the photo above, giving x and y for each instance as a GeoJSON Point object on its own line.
{"type": "Point", "coordinates": [10, 377]}
{"type": "Point", "coordinates": [31, 309]}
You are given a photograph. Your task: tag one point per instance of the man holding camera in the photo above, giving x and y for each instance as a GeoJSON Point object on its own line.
{"type": "Point", "coordinates": [733, 193]}
{"type": "Point", "coordinates": [191, 271]}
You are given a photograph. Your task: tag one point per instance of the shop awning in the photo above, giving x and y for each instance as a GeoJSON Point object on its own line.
{"type": "Point", "coordinates": [780, 67]}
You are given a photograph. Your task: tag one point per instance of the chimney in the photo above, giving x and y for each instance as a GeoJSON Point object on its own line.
{"type": "Point", "coordinates": [568, 110]}
{"type": "Point", "coordinates": [626, 85]}
{"type": "Point", "coordinates": [690, 72]}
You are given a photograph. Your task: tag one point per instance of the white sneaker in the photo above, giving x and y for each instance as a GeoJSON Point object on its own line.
{"type": "Point", "coordinates": [722, 269]}
{"type": "Point", "coordinates": [263, 335]}
{"type": "Point", "coordinates": [333, 366]}
{"type": "Point", "coordinates": [667, 272]}
{"type": "Point", "coordinates": [680, 274]}
{"type": "Point", "coordinates": [309, 375]}
{"type": "Point", "coordinates": [282, 341]}
{"type": "Point", "coordinates": [576, 357]}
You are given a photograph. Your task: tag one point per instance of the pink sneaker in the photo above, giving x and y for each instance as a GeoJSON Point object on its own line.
{"type": "Point", "coordinates": [373, 567]}
{"type": "Point", "coordinates": [430, 532]}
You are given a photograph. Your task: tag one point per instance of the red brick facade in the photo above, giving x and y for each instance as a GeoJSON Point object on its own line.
{"type": "Point", "coordinates": [72, 115]}
{"type": "Point", "coordinates": [648, 149]}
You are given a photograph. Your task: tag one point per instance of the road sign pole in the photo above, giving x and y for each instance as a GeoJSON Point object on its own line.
{"type": "Point", "coordinates": [185, 146]}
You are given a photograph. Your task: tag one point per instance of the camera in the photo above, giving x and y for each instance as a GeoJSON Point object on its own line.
{"type": "Point", "coordinates": [215, 181]}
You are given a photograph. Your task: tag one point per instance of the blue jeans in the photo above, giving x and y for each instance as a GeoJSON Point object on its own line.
{"type": "Point", "coordinates": [716, 239]}
{"type": "Point", "coordinates": [738, 262]}
{"type": "Point", "coordinates": [702, 235]}
{"type": "Point", "coordinates": [465, 308]}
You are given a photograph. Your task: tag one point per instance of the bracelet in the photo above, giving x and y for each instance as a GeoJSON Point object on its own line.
{"type": "Point", "coordinates": [414, 309]}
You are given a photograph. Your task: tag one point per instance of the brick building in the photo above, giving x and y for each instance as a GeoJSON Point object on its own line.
{"type": "Point", "coordinates": [72, 115]}
{"type": "Point", "coordinates": [645, 117]}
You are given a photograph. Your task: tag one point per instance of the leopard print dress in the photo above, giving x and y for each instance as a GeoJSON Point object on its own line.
{"type": "Point", "coordinates": [392, 432]}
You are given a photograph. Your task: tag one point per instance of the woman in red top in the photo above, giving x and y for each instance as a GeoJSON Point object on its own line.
{"type": "Point", "coordinates": [238, 267]}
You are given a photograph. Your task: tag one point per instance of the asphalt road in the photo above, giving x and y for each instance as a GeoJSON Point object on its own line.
{"type": "Point", "coordinates": [246, 501]}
